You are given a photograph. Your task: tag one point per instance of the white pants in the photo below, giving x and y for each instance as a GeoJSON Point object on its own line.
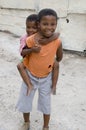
{"type": "Point", "coordinates": [44, 95]}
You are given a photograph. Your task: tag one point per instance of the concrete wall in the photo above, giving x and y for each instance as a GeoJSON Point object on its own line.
{"type": "Point", "coordinates": [72, 23]}
{"type": "Point", "coordinates": [13, 14]}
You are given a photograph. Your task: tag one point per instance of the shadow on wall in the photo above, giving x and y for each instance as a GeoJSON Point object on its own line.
{"type": "Point", "coordinates": [8, 32]}
{"type": "Point", "coordinates": [75, 52]}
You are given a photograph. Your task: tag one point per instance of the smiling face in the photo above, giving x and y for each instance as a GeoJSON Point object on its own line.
{"type": "Point", "coordinates": [31, 27]}
{"type": "Point", "coordinates": [47, 25]}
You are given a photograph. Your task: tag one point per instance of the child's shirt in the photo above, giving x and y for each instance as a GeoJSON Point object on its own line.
{"type": "Point", "coordinates": [22, 42]}
{"type": "Point", "coordinates": [41, 64]}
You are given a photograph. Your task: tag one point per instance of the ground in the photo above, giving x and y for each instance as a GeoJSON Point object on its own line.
{"type": "Point", "coordinates": [69, 104]}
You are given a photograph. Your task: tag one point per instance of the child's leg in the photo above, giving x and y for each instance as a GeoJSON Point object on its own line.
{"type": "Point", "coordinates": [26, 117]}
{"type": "Point", "coordinates": [25, 77]}
{"type": "Point", "coordinates": [44, 102]}
{"type": "Point", "coordinates": [46, 121]}
{"type": "Point", "coordinates": [26, 124]}
{"type": "Point", "coordinates": [55, 74]}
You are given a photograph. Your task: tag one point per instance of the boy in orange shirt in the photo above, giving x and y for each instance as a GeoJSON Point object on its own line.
{"type": "Point", "coordinates": [39, 64]}
{"type": "Point", "coordinates": [31, 28]}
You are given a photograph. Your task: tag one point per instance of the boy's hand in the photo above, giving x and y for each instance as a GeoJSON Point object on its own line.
{"type": "Point", "coordinates": [53, 90]}
{"type": "Point", "coordinates": [29, 89]}
{"type": "Point", "coordinates": [36, 48]}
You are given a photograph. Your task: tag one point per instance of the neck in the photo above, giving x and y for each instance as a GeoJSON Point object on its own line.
{"type": "Point", "coordinates": [43, 40]}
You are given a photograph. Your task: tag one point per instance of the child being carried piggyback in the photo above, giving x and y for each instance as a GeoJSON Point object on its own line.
{"type": "Point", "coordinates": [39, 68]}
{"type": "Point", "coordinates": [32, 28]}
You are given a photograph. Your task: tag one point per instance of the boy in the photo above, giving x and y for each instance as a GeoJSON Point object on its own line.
{"type": "Point", "coordinates": [39, 66]}
{"type": "Point", "coordinates": [31, 28]}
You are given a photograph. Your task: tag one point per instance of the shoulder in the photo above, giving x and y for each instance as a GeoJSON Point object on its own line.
{"type": "Point", "coordinates": [30, 40]}
{"type": "Point", "coordinates": [30, 37]}
{"type": "Point", "coordinates": [58, 42]}
{"type": "Point", "coordinates": [23, 37]}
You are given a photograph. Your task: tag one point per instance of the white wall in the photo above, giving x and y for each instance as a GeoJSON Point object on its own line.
{"type": "Point", "coordinates": [72, 23]}
{"type": "Point", "coordinates": [20, 4]}
{"type": "Point", "coordinates": [13, 20]}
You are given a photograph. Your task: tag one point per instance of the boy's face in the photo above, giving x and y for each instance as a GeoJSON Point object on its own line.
{"type": "Point", "coordinates": [31, 27]}
{"type": "Point", "coordinates": [47, 25]}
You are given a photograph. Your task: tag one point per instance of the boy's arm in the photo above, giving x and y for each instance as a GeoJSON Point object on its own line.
{"type": "Point", "coordinates": [55, 71]}
{"type": "Point", "coordinates": [59, 53]}
{"type": "Point", "coordinates": [27, 51]}
{"type": "Point", "coordinates": [50, 39]}
{"type": "Point", "coordinates": [55, 75]}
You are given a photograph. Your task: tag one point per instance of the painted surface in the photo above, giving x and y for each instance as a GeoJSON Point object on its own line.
{"type": "Point", "coordinates": [72, 23]}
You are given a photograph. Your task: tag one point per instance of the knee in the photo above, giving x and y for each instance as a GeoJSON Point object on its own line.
{"type": "Point", "coordinates": [19, 66]}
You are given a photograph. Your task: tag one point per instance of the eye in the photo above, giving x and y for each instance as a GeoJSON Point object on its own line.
{"type": "Point", "coordinates": [45, 24]}
{"type": "Point", "coordinates": [34, 27]}
{"type": "Point", "coordinates": [53, 24]}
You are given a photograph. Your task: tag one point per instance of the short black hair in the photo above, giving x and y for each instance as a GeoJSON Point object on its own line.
{"type": "Point", "coordinates": [45, 12]}
{"type": "Point", "coordinates": [32, 17]}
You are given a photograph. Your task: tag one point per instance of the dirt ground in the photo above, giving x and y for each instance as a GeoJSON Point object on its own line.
{"type": "Point", "coordinates": [68, 106]}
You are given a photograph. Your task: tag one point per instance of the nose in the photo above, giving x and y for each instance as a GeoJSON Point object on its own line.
{"type": "Point", "coordinates": [31, 29]}
{"type": "Point", "coordinates": [49, 27]}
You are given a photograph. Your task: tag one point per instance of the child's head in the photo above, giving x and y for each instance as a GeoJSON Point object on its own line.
{"type": "Point", "coordinates": [31, 24]}
{"type": "Point", "coordinates": [47, 19]}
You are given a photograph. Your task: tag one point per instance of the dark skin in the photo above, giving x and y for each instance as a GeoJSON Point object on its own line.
{"type": "Point", "coordinates": [55, 77]}
{"type": "Point", "coordinates": [59, 55]}
{"type": "Point", "coordinates": [24, 75]}
{"type": "Point", "coordinates": [31, 28]}
{"type": "Point", "coordinates": [47, 27]}
{"type": "Point", "coordinates": [28, 51]}
{"type": "Point", "coordinates": [42, 41]}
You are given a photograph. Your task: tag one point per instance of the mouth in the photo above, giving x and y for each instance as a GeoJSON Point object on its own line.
{"type": "Point", "coordinates": [30, 33]}
{"type": "Point", "coordinates": [48, 33]}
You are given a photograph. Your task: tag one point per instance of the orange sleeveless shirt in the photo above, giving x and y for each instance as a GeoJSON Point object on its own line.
{"type": "Point", "coordinates": [41, 64]}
